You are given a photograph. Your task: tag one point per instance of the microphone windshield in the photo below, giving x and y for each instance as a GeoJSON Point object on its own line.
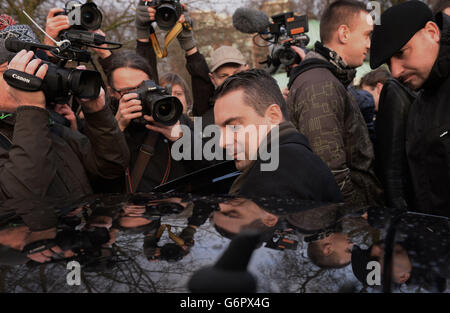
{"type": "Point", "coordinates": [250, 21]}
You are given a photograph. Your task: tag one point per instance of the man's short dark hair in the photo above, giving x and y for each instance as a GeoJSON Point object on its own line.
{"type": "Point", "coordinates": [318, 258]}
{"type": "Point", "coordinates": [371, 79]}
{"type": "Point", "coordinates": [341, 12]}
{"type": "Point", "coordinates": [440, 6]}
{"type": "Point", "coordinates": [260, 90]}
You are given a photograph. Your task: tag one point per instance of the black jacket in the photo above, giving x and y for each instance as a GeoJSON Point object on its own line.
{"type": "Point", "coordinates": [391, 164]}
{"type": "Point", "coordinates": [300, 175]}
{"type": "Point", "coordinates": [428, 137]}
{"type": "Point", "coordinates": [46, 159]}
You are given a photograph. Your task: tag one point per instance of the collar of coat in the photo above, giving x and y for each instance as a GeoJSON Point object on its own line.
{"type": "Point", "coordinates": [287, 134]}
{"type": "Point", "coordinates": [342, 71]}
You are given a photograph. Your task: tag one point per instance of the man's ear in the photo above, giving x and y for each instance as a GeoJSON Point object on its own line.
{"type": "Point", "coordinates": [376, 250]}
{"type": "Point", "coordinates": [343, 34]}
{"type": "Point", "coordinates": [404, 277]}
{"type": "Point", "coordinates": [379, 87]}
{"type": "Point", "coordinates": [327, 249]}
{"type": "Point", "coordinates": [432, 30]}
{"type": "Point", "coordinates": [273, 114]}
{"type": "Point", "coordinates": [211, 77]}
{"type": "Point", "coordinates": [269, 219]}
{"type": "Point", "coordinates": [246, 67]}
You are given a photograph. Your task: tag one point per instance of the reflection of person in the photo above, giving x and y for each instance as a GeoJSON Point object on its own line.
{"type": "Point", "coordinates": [14, 239]}
{"type": "Point", "coordinates": [421, 255]}
{"type": "Point", "coordinates": [401, 266]}
{"type": "Point", "coordinates": [328, 246]}
{"type": "Point", "coordinates": [240, 213]}
{"type": "Point", "coordinates": [333, 251]}
{"type": "Point", "coordinates": [253, 100]}
{"type": "Point", "coordinates": [417, 54]}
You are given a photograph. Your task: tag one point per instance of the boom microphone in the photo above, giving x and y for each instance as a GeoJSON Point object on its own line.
{"type": "Point", "coordinates": [250, 21]}
{"type": "Point", "coordinates": [16, 45]}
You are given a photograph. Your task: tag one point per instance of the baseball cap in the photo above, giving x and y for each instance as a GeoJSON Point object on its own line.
{"type": "Point", "coordinates": [398, 25]}
{"type": "Point", "coordinates": [224, 55]}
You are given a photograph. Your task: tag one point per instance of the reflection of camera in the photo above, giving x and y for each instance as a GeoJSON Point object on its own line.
{"type": "Point", "coordinates": [157, 102]}
{"type": "Point", "coordinates": [82, 241]}
{"type": "Point", "coordinates": [171, 252]}
{"type": "Point", "coordinates": [83, 16]}
{"type": "Point", "coordinates": [167, 12]}
{"type": "Point", "coordinates": [288, 30]}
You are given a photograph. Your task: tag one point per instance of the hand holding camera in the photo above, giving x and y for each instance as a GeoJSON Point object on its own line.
{"type": "Point", "coordinates": [55, 24]}
{"type": "Point", "coordinates": [33, 70]}
{"type": "Point", "coordinates": [129, 109]}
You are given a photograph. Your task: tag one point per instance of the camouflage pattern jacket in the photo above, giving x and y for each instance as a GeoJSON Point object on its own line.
{"type": "Point", "coordinates": [324, 111]}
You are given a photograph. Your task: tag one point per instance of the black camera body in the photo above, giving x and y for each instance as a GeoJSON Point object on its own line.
{"type": "Point", "coordinates": [83, 16]}
{"type": "Point", "coordinates": [167, 12]}
{"type": "Point", "coordinates": [61, 83]}
{"type": "Point", "coordinates": [291, 30]}
{"type": "Point", "coordinates": [158, 103]}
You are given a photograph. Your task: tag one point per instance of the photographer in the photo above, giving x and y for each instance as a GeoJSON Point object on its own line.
{"type": "Point", "coordinates": [128, 72]}
{"type": "Point", "coordinates": [195, 61]}
{"type": "Point", "coordinates": [40, 158]}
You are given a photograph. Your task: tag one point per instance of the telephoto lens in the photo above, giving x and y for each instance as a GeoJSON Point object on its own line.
{"type": "Point", "coordinates": [61, 83]}
{"type": "Point", "coordinates": [158, 103]}
{"type": "Point", "coordinates": [167, 13]}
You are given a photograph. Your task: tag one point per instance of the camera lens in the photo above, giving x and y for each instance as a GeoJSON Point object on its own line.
{"type": "Point", "coordinates": [88, 17]}
{"type": "Point", "coordinates": [288, 57]}
{"type": "Point", "coordinates": [91, 17]}
{"type": "Point", "coordinates": [167, 110]}
{"type": "Point", "coordinates": [166, 16]}
{"type": "Point", "coordinates": [85, 84]}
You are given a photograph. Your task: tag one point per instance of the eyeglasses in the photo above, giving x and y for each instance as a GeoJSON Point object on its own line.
{"type": "Point", "coordinates": [125, 91]}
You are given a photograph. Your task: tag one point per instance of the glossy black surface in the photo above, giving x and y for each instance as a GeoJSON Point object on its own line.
{"type": "Point", "coordinates": [123, 265]}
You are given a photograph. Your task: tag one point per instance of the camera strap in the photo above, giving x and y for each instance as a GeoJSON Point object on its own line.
{"type": "Point", "coordinates": [22, 80]}
{"type": "Point", "coordinates": [146, 152]}
{"type": "Point", "coordinates": [170, 36]}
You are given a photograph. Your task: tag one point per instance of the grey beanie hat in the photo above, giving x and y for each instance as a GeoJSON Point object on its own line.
{"type": "Point", "coordinates": [21, 32]}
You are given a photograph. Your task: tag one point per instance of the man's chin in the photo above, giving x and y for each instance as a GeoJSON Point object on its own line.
{"type": "Point", "coordinates": [241, 165]}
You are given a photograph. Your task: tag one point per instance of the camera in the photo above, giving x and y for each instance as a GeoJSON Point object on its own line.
{"type": "Point", "coordinates": [82, 241]}
{"type": "Point", "coordinates": [284, 31]}
{"type": "Point", "coordinates": [288, 30]}
{"type": "Point", "coordinates": [83, 16]}
{"type": "Point", "coordinates": [60, 83]}
{"type": "Point", "coordinates": [167, 12]}
{"type": "Point", "coordinates": [158, 103]}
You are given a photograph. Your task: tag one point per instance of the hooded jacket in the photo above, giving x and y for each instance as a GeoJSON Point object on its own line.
{"type": "Point", "coordinates": [428, 135]}
{"type": "Point", "coordinates": [300, 173]}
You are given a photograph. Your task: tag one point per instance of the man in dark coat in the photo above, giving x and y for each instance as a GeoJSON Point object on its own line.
{"type": "Point", "coordinates": [418, 55]}
{"type": "Point", "coordinates": [252, 100]}
{"type": "Point", "coordinates": [326, 113]}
